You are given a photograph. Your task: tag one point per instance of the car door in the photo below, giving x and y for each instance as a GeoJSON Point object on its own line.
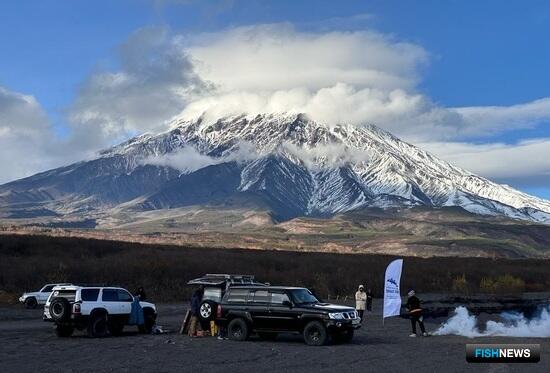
{"type": "Point", "coordinates": [258, 306]}
{"type": "Point", "coordinates": [282, 313]}
{"type": "Point", "coordinates": [125, 300]}
{"type": "Point", "coordinates": [109, 300]}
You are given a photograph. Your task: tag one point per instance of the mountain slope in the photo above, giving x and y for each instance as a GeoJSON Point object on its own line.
{"type": "Point", "coordinates": [287, 163]}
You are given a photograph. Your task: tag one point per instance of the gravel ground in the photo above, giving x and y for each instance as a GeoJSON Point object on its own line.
{"type": "Point", "coordinates": [28, 345]}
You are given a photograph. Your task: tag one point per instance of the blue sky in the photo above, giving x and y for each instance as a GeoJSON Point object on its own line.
{"type": "Point", "coordinates": [481, 53]}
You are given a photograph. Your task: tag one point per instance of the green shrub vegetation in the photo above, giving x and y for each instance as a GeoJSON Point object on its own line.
{"type": "Point", "coordinates": [27, 262]}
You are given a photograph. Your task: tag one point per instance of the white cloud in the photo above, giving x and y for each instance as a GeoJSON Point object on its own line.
{"type": "Point", "coordinates": [330, 154]}
{"type": "Point", "coordinates": [524, 163]}
{"type": "Point", "coordinates": [186, 160]}
{"type": "Point", "coordinates": [278, 57]}
{"type": "Point", "coordinates": [355, 77]}
{"type": "Point", "coordinates": [25, 136]}
{"type": "Point", "coordinates": [155, 81]}
{"type": "Point", "coordinates": [496, 119]}
{"type": "Point", "coordinates": [189, 159]}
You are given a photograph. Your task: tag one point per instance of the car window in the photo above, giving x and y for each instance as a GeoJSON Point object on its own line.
{"type": "Point", "coordinates": [67, 294]}
{"type": "Point", "coordinates": [304, 296]}
{"type": "Point", "coordinates": [279, 298]}
{"type": "Point", "coordinates": [124, 296]}
{"type": "Point", "coordinates": [89, 295]}
{"type": "Point", "coordinates": [237, 296]}
{"type": "Point", "coordinates": [47, 289]}
{"type": "Point", "coordinates": [214, 294]}
{"type": "Point", "coordinates": [109, 295]}
{"type": "Point", "coordinates": [260, 296]}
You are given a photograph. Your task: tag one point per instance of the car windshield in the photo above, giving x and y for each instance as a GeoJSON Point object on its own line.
{"type": "Point", "coordinates": [302, 296]}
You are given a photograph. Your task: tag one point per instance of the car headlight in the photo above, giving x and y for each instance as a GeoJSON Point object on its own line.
{"type": "Point", "coordinates": [336, 315]}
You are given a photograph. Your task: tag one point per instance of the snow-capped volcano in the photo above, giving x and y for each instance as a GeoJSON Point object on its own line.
{"type": "Point", "coordinates": [288, 163]}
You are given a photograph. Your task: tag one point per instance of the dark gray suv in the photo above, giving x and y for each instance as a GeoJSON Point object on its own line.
{"type": "Point", "coordinates": [270, 310]}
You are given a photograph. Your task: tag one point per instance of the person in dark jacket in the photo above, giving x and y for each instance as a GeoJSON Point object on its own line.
{"type": "Point", "coordinates": [140, 292]}
{"type": "Point", "coordinates": [196, 300]}
{"type": "Point", "coordinates": [415, 313]}
{"type": "Point", "coordinates": [369, 300]}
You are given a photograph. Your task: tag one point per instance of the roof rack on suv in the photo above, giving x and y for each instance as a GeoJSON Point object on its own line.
{"type": "Point", "coordinates": [219, 279]}
{"type": "Point", "coordinates": [228, 276]}
{"type": "Point", "coordinates": [90, 285]}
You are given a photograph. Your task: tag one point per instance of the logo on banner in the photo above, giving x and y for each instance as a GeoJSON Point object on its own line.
{"type": "Point", "coordinates": [392, 288]}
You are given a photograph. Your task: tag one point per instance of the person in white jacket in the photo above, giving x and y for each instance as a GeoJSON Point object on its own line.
{"type": "Point", "coordinates": [360, 301]}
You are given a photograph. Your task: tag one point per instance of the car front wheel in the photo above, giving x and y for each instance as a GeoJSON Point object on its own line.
{"type": "Point", "coordinates": [315, 334]}
{"type": "Point", "coordinates": [30, 303]}
{"type": "Point", "coordinates": [238, 330]}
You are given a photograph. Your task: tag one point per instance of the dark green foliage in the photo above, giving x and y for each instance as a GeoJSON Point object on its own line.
{"type": "Point", "coordinates": [27, 262]}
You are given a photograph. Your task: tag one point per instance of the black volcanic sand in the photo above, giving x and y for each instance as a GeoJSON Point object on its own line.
{"type": "Point", "coordinates": [28, 345]}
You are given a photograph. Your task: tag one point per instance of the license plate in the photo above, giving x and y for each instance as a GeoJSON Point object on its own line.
{"type": "Point", "coordinates": [356, 321]}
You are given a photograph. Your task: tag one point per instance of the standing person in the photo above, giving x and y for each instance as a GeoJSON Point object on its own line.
{"type": "Point", "coordinates": [360, 301]}
{"type": "Point", "coordinates": [369, 300]}
{"type": "Point", "coordinates": [415, 313]}
{"type": "Point", "coordinates": [140, 292]}
{"type": "Point", "coordinates": [196, 300]}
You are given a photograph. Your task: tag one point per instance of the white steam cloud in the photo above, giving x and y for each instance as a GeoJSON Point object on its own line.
{"type": "Point", "coordinates": [516, 325]}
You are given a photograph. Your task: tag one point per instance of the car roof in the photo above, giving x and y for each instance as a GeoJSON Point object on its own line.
{"type": "Point", "coordinates": [76, 287]}
{"type": "Point", "coordinates": [268, 287]}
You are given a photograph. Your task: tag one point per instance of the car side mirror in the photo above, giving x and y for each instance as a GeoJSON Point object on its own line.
{"type": "Point", "coordinates": [288, 303]}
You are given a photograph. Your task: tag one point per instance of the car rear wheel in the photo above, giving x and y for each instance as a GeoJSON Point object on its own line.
{"type": "Point", "coordinates": [60, 309]}
{"type": "Point", "coordinates": [64, 331]}
{"type": "Point", "coordinates": [315, 334]}
{"type": "Point", "coordinates": [31, 303]}
{"type": "Point", "coordinates": [97, 328]}
{"type": "Point", "coordinates": [238, 330]}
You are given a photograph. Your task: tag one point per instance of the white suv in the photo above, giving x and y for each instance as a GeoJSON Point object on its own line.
{"type": "Point", "coordinates": [99, 309]}
{"type": "Point", "coordinates": [36, 298]}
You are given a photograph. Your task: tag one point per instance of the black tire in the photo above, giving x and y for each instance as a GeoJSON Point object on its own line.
{"type": "Point", "coordinates": [31, 303]}
{"type": "Point", "coordinates": [267, 336]}
{"type": "Point", "coordinates": [344, 336]}
{"type": "Point", "coordinates": [116, 328]}
{"type": "Point", "coordinates": [60, 309]}
{"type": "Point", "coordinates": [238, 330]}
{"type": "Point", "coordinates": [149, 318]}
{"type": "Point", "coordinates": [207, 310]}
{"type": "Point", "coordinates": [98, 326]}
{"type": "Point", "coordinates": [315, 334]}
{"type": "Point", "coordinates": [64, 331]}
